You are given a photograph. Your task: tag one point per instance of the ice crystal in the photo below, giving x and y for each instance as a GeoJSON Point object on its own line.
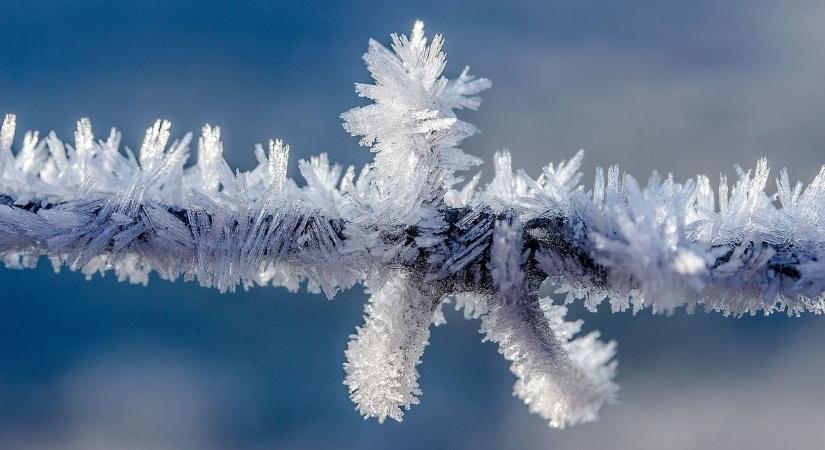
{"type": "Point", "coordinates": [407, 229]}
{"type": "Point", "coordinates": [382, 355]}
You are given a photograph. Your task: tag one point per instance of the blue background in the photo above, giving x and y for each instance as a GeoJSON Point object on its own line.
{"type": "Point", "coordinates": [674, 86]}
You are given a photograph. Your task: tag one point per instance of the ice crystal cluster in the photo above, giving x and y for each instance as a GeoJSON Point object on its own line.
{"type": "Point", "coordinates": [419, 236]}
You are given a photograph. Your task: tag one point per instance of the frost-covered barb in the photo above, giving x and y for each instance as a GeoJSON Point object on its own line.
{"type": "Point", "coordinates": [417, 238]}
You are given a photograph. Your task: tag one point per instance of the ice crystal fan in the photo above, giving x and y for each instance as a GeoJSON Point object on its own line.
{"type": "Point", "coordinates": [419, 236]}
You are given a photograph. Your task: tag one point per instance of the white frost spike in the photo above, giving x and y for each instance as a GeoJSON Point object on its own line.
{"type": "Point", "coordinates": [411, 125]}
{"type": "Point", "coordinates": [383, 355]}
{"type": "Point", "coordinates": [461, 198]}
{"type": "Point", "coordinates": [506, 190]}
{"type": "Point", "coordinates": [84, 144]}
{"type": "Point", "coordinates": [278, 159]}
{"type": "Point", "coordinates": [463, 91]}
{"type": "Point", "coordinates": [551, 192]}
{"type": "Point", "coordinates": [650, 224]}
{"type": "Point", "coordinates": [564, 380]}
{"type": "Point", "coordinates": [6, 139]}
{"type": "Point", "coordinates": [151, 152]}
{"type": "Point", "coordinates": [213, 168]}
{"type": "Point", "coordinates": [27, 159]}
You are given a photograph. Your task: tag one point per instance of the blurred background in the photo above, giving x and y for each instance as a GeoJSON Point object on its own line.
{"type": "Point", "coordinates": [690, 88]}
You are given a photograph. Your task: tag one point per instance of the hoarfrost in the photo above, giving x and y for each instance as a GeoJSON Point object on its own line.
{"type": "Point", "coordinates": [407, 229]}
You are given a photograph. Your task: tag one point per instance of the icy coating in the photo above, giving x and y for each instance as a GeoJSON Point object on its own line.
{"type": "Point", "coordinates": [417, 238]}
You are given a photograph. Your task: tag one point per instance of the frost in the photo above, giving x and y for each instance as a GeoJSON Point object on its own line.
{"type": "Point", "coordinates": [412, 126]}
{"type": "Point", "coordinates": [418, 235]}
{"type": "Point", "coordinates": [382, 356]}
{"type": "Point", "coordinates": [564, 380]}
